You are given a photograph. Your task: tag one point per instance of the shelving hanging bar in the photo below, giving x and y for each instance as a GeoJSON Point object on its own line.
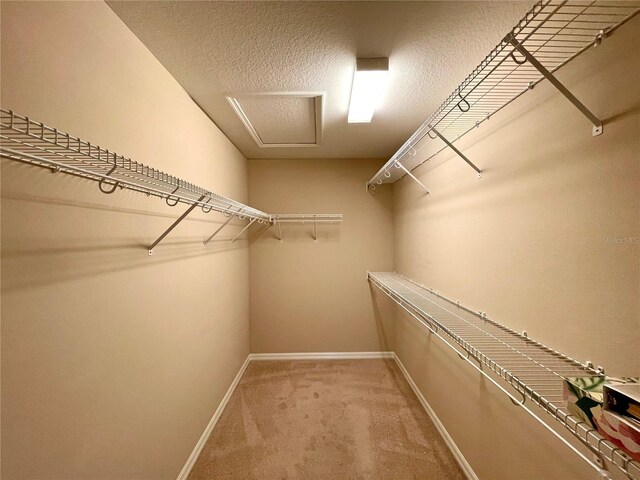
{"type": "Point", "coordinates": [550, 35]}
{"type": "Point", "coordinates": [27, 141]}
{"type": "Point", "coordinates": [528, 372]}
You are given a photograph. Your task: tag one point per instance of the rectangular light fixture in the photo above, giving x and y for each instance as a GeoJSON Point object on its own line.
{"type": "Point", "coordinates": [369, 82]}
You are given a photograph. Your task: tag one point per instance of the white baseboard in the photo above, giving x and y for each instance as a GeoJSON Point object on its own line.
{"type": "Point", "coordinates": [184, 473]}
{"type": "Point", "coordinates": [466, 468]}
{"type": "Point", "coordinates": [321, 355]}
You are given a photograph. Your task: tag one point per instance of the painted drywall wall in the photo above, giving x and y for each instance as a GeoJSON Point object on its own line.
{"type": "Point", "coordinates": [547, 242]}
{"type": "Point", "coordinates": [113, 362]}
{"type": "Point", "coordinates": [309, 296]}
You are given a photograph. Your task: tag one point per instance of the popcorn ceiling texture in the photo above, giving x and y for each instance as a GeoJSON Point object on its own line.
{"type": "Point", "coordinates": [217, 48]}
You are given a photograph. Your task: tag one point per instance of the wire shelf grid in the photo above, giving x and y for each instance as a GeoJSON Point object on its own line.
{"type": "Point", "coordinates": [534, 371]}
{"type": "Point", "coordinates": [25, 140]}
{"type": "Point", "coordinates": [553, 31]}
{"type": "Point", "coordinates": [306, 217]}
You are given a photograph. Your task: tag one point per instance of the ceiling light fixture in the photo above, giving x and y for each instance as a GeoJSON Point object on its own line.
{"type": "Point", "coordinates": [369, 82]}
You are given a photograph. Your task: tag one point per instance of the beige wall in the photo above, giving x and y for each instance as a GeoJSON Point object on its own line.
{"type": "Point", "coordinates": [528, 244]}
{"type": "Point", "coordinates": [314, 297]}
{"type": "Point", "coordinates": [113, 362]}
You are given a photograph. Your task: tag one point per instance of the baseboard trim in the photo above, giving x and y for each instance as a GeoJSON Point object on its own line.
{"type": "Point", "coordinates": [466, 468]}
{"type": "Point", "coordinates": [321, 356]}
{"type": "Point", "coordinates": [184, 473]}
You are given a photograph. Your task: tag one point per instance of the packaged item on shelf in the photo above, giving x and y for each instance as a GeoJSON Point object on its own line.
{"type": "Point", "coordinates": [622, 431]}
{"type": "Point", "coordinates": [623, 399]}
{"type": "Point", "coordinates": [585, 398]}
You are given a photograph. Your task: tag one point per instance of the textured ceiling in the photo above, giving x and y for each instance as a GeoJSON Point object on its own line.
{"type": "Point", "coordinates": [215, 49]}
{"type": "Point", "coordinates": [280, 119]}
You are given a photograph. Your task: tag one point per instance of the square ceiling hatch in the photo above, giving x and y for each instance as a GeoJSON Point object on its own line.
{"type": "Point", "coordinates": [279, 119]}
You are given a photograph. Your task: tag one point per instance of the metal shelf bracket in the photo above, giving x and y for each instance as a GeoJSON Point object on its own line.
{"type": "Point", "coordinates": [175, 224]}
{"type": "Point", "coordinates": [315, 230]}
{"type": "Point", "coordinates": [204, 244]}
{"type": "Point", "coordinates": [460, 154]}
{"type": "Point", "coordinates": [597, 123]}
{"type": "Point", "coordinates": [243, 230]}
{"type": "Point", "coordinates": [413, 177]}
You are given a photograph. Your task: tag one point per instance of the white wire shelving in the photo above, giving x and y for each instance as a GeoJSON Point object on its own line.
{"type": "Point", "coordinates": [25, 140]}
{"type": "Point", "coordinates": [315, 219]}
{"type": "Point", "coordinates": [529, 373]}
{"type": "Point", "coordinates": [550, 35]}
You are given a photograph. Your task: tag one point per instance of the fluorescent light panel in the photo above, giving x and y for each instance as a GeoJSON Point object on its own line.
{"type": "Point", "coordinates": [369, 82]}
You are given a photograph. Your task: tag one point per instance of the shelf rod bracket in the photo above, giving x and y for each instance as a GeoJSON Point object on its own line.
{"type": "Point", "coordinates": [399, 165]}
{"type": "Point", "coordinates": [458, 152]}
{"type": "Point", "coordinates": [204, 244]}
{"type": "Point", "coordinates": [175, 224]}
{"type": "Point", "coordinates": [242, 231]}
{"type": "Point", "coordinates": [315, 229]}
{"type": "Point", "coordinates": [279, 231]}
{"type": "Point", "coordinates": [597, 123]}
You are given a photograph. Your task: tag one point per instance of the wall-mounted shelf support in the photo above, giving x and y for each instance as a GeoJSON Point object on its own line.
{"type": "Point", "coordinates": [174, 224]}
{"type": "Point", "coordinates": [204, 244]}
{"type": "Point", "coordinates": [597, 123]}
{"type": "Point", "coordinates": [243, 230]}
{"type": "Point", "coordinates": [452, 147]}
{"type": "Point", "coordinates": [413, 177]}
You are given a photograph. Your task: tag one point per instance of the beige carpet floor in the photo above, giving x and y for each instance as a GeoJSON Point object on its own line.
{"type": "Point", "coordinates": [329, 419]}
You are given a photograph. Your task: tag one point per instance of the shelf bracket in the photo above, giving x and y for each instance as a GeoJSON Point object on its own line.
{"type": "Point", "coordinates": [175, 224]}
{"type": "Point", "coordinates": [279, 231]}
{"type": "Point", "coordinates": [597, 123]}
{"type": "Point", "coordinates": [399, 165]}
{"type": "Point", "coordinates": [204, 244]}
{"type": "Point", "coordinates": [458, 152]}
{"type": "Point", "coordinates": [315, 229]}
{"type": "Point", "coordinates": [242, 231]}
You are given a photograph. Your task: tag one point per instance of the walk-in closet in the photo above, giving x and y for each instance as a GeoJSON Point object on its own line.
{"type": "Point", "coordinates": [309, 240]}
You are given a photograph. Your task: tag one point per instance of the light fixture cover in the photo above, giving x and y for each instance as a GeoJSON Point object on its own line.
{"type": "Point", "coordinates": [369, 82]}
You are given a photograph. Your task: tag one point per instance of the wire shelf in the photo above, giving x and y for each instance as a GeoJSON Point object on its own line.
{"type": "Point", "coordinates": [553, 31]}
{"type": "Point", "coordinates": [532, 371]}
{"type": "Point", "coordinates": [306, 218]}
{"type": "Point", "coordinates": [28, 141]}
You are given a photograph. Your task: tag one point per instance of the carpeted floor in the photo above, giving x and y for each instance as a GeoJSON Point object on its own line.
{"type": "Point", "coordinates": [328, 419]}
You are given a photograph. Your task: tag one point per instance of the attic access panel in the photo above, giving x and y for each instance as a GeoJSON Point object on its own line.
{"type": "Point", "coordinates": [277, 119]}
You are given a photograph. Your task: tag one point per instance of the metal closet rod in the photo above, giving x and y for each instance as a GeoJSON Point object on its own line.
{"type": "Point", "coordinates": [550, 35]}
{"type": "Point", "coordinates": [533, 370]}
{"type": "Point", "coordinates": [27, 141]}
